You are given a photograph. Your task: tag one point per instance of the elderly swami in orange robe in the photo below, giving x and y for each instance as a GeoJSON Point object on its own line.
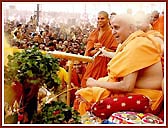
{"type": "Point", "coordinates": [135, 67]}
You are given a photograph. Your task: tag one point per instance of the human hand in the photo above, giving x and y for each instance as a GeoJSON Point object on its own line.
{"type": "Point", "coordinates": [103, 51]}
{"type": "Point", "coordinates": [97, 46]}
{"type": "Point", "coordinates": [90, 82]}
{"type": "Point", "coordinates": [106, 53]}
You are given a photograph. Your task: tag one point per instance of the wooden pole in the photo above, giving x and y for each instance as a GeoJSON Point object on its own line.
{"type": "Point", "coordinates": [69, 81]}
{"type": "Point", "coordinates": [37, 14]}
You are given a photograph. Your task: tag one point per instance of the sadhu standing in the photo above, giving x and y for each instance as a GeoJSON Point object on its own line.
{"type": "Point", "coordinates": [100, 37]}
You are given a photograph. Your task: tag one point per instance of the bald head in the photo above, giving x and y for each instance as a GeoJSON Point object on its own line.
{"type": "Point", "coordinates": [103, 20]}
{"type": "Point", "coordinates": [123, 26]}
{"type": "Point", "coordinates": [126, 19]}
{"type": "Point", "coordinates": [104, 13]}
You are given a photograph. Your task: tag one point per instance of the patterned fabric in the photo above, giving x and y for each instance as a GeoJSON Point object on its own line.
{"type": "Point", "coordinates": [134, 118]}
{"type": "Point", "coordinates": [89, 97]}
{"type": "Point", "coordinates": [89, 118]}
{"type": "Point", "coordinates": [104, 108]}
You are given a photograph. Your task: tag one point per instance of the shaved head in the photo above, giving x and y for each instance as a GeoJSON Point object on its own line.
{"type": "Point", "coordinates": [127, 19]}
{"type": "Point", "coordinates": [104, 13]}
{"type": "Point", "coordinates": [123, 26]}
{"type": "Point", "coordinates": [103, 19]}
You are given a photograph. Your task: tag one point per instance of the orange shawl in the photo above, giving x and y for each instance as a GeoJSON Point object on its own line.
{"type": "Point", "coordinates": [158, 34]}
{"type": "Point", "coordinates": [98, 68]}
{"type": "Point", "coordinates": [159, 25]}
{"type": "Point", "coordinates": [137, 52]}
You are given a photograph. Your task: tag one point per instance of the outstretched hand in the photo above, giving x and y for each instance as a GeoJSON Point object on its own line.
{"type": "Point", "coordinates": [103, 51]}
{"type": "Point", "coordinates": [106, 53]}
{"type": "Point", "coordinates": [91, 82]}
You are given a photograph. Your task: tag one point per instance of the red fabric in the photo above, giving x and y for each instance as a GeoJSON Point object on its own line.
{"type": "Point", "coordinates": [75, 78]}
{"type": "Point", "coordinates": [83, 69]}
{"type": "Point", "coordinates": [161, 114]}
{"type": "Point", "coordinates": [159, 111]}
{"type": "Point", "coordinates": [104, 108]}
{"type": "Point", "coordinates": [76, 104]}
{"type": "Point", "coordinates": [72, 97]}
{"type": "Point", "coordinates": [17, 88]}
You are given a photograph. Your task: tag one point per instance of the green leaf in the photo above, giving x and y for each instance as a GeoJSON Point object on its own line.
{"type": "Point", "coordinates": [32, 63]}
{"type": "Point", "coordinates": [29, 73]}
{"type": "Point", "coordinates": [62, 117]}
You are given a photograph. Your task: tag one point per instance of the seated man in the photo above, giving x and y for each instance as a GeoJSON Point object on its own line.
{"type": "Point", "coordinates": [135, 68]}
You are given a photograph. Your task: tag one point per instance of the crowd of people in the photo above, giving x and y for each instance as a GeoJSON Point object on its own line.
{"type": "Point", "coordinates": [111, 37]}
{"type": "Point", "coordinates": [71, 39]}
{"type": "Point", "coordinates": [66, 38]}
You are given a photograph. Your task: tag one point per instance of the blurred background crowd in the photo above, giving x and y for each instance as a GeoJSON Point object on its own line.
{"type": "Point", "coordinates": [67, 30]}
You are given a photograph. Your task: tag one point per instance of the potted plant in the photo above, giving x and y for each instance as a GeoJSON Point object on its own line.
{"type": "Point", "coordinates": [57, 113]}
{"type": "Point", "coordinates": [32, 69]}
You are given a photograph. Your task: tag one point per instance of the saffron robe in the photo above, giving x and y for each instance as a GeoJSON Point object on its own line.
{"type": "Point", "coordinates": [156, 33]}
{"type": "Point", "coordinates": [159, 25]}
{"type": "Point", "coordinates": [138, 51]}
{"type": "Point", "coordinates": [98, 68]}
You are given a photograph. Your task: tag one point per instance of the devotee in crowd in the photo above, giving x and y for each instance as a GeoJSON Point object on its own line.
{"type": "Point", "coordinates": [112, 15]}
{"type": "Point", "coordinates": [158, 21]}
{"type": "Point", "coordinates": [77, 73]}
{"type": "Point", "coordinates": [134, 69]}
{"type": "Point", "coordinates": [18, 29]}
{"type": "Point", "coordinates": [101, 37]}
